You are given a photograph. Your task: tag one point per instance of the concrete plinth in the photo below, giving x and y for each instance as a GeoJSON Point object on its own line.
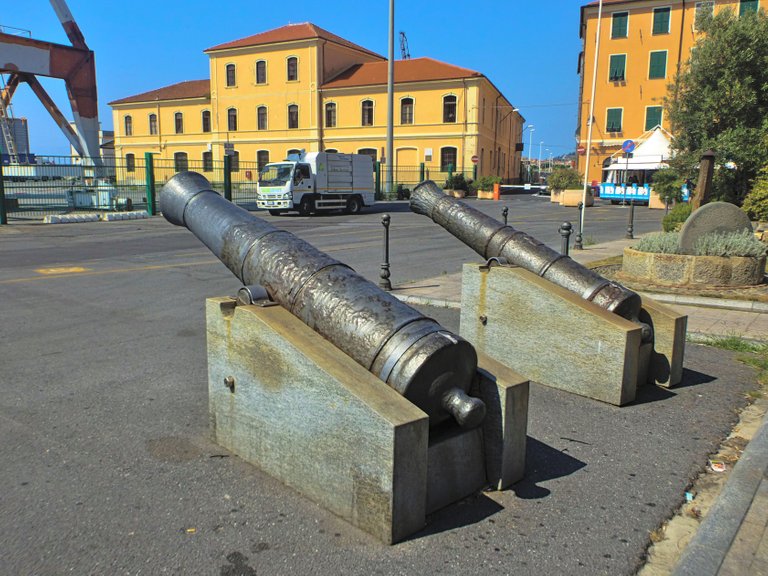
{"type": "Point", "coordinates": [553, 336]}
{"type": "Point", "coordinates": [288, 401]}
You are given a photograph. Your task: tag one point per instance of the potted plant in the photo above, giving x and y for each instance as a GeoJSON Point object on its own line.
{"type": "Point", "coordinates": [666, 189]}
{"type": "Point", "coordinates": [456, 185]}
{"type": "Point", "coordinates": [565, 185]}
{"type": "Point", "coordinates": [485, 187]}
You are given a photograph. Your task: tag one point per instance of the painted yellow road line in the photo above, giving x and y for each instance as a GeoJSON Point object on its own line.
{"type": "Point", "coordinates": [63, 270]}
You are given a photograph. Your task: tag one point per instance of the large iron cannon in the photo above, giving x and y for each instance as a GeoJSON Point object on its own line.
{"type": "Point", "coordinates": [413, 354]}
{"type": "Point", "coordinates": [492, 239]}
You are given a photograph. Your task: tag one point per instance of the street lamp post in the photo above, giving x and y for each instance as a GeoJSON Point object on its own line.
{"type": "Point", "coordinates": [539, 164]}
{"type": "Point", "coordinates": [530, 150]}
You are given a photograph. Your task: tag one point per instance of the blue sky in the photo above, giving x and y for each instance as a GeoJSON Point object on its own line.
{"type": "Point", "coordinates": [528, 50]}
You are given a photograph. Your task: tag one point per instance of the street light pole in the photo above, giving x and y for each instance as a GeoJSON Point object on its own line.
{"type": "Point", "coordinates": [540, 143]}
{"type": "Point", "coordinates": [530, 152]}
{"type": "Point", "coordinates": [390, 98]}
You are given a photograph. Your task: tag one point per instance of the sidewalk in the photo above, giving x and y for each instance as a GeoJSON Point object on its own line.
{"type": "Point", "coordinates": [733, 538]}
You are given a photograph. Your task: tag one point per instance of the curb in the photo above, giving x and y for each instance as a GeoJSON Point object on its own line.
{"type": "Point", "coordinates": [105, 217]}
{"type": "Point", "coordinates": [705, 554]}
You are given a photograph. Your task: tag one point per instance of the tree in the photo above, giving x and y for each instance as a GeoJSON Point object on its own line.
{"type": "Point", "coordinates": [668, 184]}
{"type": "Point", "coordinates": [563, 178]}
{"type": "Point", "coordinates": [756, 203]}
{"type": "Point", "coordinates": [719, 100]}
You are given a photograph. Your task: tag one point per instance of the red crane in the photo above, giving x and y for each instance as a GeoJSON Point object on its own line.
{"type": "Point", "coordinates": [23, 59]}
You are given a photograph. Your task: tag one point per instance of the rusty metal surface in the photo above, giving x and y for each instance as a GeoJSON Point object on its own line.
{"type": "Point", "coordinates": [413, 354]}
{"type": "Point", "coordinates": [490, 238]}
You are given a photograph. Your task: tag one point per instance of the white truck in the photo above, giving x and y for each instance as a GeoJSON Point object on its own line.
{"type": "Point", "coordinates": [316, 181]}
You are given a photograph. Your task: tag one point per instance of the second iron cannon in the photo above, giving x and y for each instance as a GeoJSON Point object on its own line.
{"type": "Point", "coordinates": [493, 239]}
{"type": "Point", "coordinates": [413, 354]}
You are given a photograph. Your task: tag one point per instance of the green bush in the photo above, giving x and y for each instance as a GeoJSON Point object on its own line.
{"type": "Point", "coordinates": [660, 243]}
{"type": "Point", "coordinates": [563, 178]}
{"type": "Point", "coordinates": [668, 184]}
{"type": "Point", "coordinates": [676, 217]}
{"type": "Point", "coordinates": [456, 182]}
{"type": "Point", "coordinates": [741, 243]}
{"type": "Point", "coordinates": [756, 202]}
{"type": "Point", "coordinates": [486, 182]}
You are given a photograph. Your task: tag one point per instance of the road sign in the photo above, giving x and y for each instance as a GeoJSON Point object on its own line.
{"type": "Point", "coordinates": [475, 159]}
{"type": "Point", "coordinates": [628, 146]}
{"type": "Point", "coordinates": [581, 150]}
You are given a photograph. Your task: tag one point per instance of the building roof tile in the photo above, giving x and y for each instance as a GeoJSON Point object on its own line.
{"type": "Point", "coordinates": [303, 31]}
{"type": "Point", "coordinates": [416, 70]}
{"type": "Point", "coordinates": [178, 91]}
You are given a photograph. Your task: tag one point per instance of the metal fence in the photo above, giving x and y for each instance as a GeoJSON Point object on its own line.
{"type": "Point", "coordinates": [62, 184]}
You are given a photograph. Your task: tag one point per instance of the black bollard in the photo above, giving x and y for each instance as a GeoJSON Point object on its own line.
{"type": "Point", "coordinates": [504, 213]}
{"type": "Point", "coordinates": [631, 220]}
{"type": "Point", "coordinates": [578, 244]}
{"type": "Point", "coordinates": [385, 283]}
{"type": "Point", "coordinates": [565, 234]}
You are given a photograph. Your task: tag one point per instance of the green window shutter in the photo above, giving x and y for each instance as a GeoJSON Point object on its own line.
{"type": "Point", "coordinates": [619, 25]}
{"type": "Point", "coordinates": [658, 65]}
{"type": "Point", "coordinates": [747, 6]}
{"type": "Point", "coordinates": [617, 67]}
{"type": "Point", "coordinates": [614, 120]}
{"type": "Point", "coordinates": [661, 20]}
{"type": "Point", "coordinates": [652, 117]}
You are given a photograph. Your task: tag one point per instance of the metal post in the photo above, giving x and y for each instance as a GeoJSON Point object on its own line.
{"type": "Point", "coordinates": [565, 234]}
{"type": "Point", "coordinates": [474, 172]}
{"type": "Point", "coordinates": [385, 283]}
{"type": "Point", "coordinates": [3, 212]}
{"type": "Point", "coordinates": [150, 179]}
{"type": "Point", "coordinates": [631, 220]}
{"type": "Point", "coordinates": [421, 172]}
{"type": "Point", "coordinates": [378, 180]}
{"type": "Point", "coordinates": [578, 244]}
{"type": "Point", "coordinates": [504, 213]}
{"type": "Point", "coordinates": [390, 161]}
{"type": "Point", "coordinates": [228, 177]}
{"type": "Point", "coordinates": [450, 170]}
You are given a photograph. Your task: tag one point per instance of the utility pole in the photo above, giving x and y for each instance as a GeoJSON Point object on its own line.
{"type": "Point", "coordinates": [390, 98]}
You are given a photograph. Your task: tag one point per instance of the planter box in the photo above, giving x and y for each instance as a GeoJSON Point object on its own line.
{"type": "Point", "coordinates": [455, 193]}
{"type": "Point", "coordinates": [686, 270]}
{"type": "Point", "coordinates": [554, 197]}
{"type": "Point", "coordinates": [485, 195]}
{"type": "Point", "coordinates": [573, 197]}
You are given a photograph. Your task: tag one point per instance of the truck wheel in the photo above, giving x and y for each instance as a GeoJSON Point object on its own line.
{"type": "Point", "coordinates": [354, 205]}
{"type": "Point", "coordinates": [306, 207]}
{"type": "Point", "coordinates": [275, 212]}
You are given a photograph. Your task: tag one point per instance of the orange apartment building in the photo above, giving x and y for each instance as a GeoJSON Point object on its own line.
{"type": "Point", "coordinates": [643, 44]}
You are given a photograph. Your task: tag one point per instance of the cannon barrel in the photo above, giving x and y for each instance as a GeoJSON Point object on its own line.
{"type": "Point", "coordinates": [413, 354]}
{"type": "Point", "coordinates": [492, 239]}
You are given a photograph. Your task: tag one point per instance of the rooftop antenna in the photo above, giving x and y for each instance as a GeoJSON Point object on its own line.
{"type": "Point", "coordinates": [404, 54]}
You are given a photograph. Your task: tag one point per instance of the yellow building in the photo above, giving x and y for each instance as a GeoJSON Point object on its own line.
{"type": "Point", "coordinates": [642, 45]}
{"type": "Point", "coordinates": [302, 87]}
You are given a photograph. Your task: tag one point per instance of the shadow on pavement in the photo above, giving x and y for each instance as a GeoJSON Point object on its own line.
{"type": "Point", "coordinates": [543, 463]}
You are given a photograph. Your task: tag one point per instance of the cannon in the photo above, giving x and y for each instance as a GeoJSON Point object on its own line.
{"type": "Point", "coordinates": [492, 239]}
{"type": "Point", "coordinates": [411, 353]}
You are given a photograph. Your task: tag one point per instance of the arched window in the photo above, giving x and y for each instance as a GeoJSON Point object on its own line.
{"type": "Point", "coordinates": [292, 68]}
{"type": "Point", "coordinates": [234, 161]}
{"type": "Point", "coordinates": [207, 161]}
{"type": "Point", "coordinates": [130, 163]}
{"type": "Point", "coordinates": [231, 78]}
{"type": "Point", "coordinates": [367, 113]}
{"type": "Point", "coordinates": [261, 118]}
{"type": "Point", "coordinates": [295, 151]}
{"type": "Point", "coordinates": [447, 158]}
{"type": "Point", "coordinates": [293, 116]}
{"type": "Point", "coordinates": [449, 109]}
{"type": "Point", "coordinates": [262, 158]}
{"type": "Point", "coordinates": [372, 152]}
{"type": "Point", "coordinates": [330, 115]}
{"type": "Point", "coordinates": [331, 150]}
{"type": "Point", "coordinates": [178, 121]}
{"type": "Point", "coordinates": [261, 72]}
{"type": "Point", "coordinates": [206, 120]}
{"type": "Point", "coordinates": [232, 119]}
{"type": "Point", "coordinates": [406, 111]}
{"type": "Point", "coordinates": [153, 123]}
{"type": "Point", "coordinates": [128, 124]}
{"type": "Point", "coordinates": [180, 162]}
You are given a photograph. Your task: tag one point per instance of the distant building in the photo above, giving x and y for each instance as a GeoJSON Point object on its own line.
{"type": "Point", "coordinates": [20, 131]}
{"type": "Point", "coordinates": [106, 147]}
{"type": "Point", "coordinates": [302, 87]}
{"type": "Point", "coordinates": [643, 43]}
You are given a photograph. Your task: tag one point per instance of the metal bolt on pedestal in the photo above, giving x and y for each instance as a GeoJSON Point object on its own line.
{"type": "Point", "coordinates": [385, 283]}
{"type": "Point", "coordinates": [504, 213]}
{"type": "Point", "coordinates": [565, 233]}
{"type": "Point", "coordinates": [631, 220]}
{"type": "Point", "coordinates": [578, 245]}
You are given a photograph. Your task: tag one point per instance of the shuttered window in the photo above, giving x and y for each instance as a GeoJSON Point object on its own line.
{"type": "Point", "coordinates": [613, 121]}
{"type": "Point", "coordinates": [661, 20]}
{"type": "Point", "coordinates": [747, 6]}
{"type": "Point", "coordinates": [617, 67]}
{"type": "Point", "coordinates": [658, 65]}
{"type": "Point", "coordinates": [652, 117]}
{"type": "Point", "coordinates": [619, 24]}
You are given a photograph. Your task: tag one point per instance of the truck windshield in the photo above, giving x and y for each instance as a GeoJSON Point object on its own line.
{"type": "Point", "coordinates": [275, 174]}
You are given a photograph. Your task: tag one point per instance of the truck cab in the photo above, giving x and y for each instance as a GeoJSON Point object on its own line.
{"type": "Point", "coordinates": [317, 181]}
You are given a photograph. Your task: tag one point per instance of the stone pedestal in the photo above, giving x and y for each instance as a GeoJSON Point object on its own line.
{"type": "Point", "coordinates": [553, 336]}
{"type": "Point", "coordinates": [288, 401]}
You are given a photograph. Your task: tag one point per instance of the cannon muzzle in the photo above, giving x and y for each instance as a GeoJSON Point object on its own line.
{"type": "Point", "coordinates": [413, 354]}
{"type": "Point", "coordinates": [492, 239]}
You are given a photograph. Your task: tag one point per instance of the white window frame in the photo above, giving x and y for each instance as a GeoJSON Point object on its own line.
{"type": "Point", "coordinates": [669, 24]}
{"type": "Point", "coordinates": [622, 120]}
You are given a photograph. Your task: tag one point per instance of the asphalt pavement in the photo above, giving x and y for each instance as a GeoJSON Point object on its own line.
{"type": "Point", "coordinates": [109, 467]}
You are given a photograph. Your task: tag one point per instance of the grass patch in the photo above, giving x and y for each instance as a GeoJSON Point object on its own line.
{"type": "Point", "coordinates": [612, 261]}
{"type": "Point", "coordinates": [753, 354]}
